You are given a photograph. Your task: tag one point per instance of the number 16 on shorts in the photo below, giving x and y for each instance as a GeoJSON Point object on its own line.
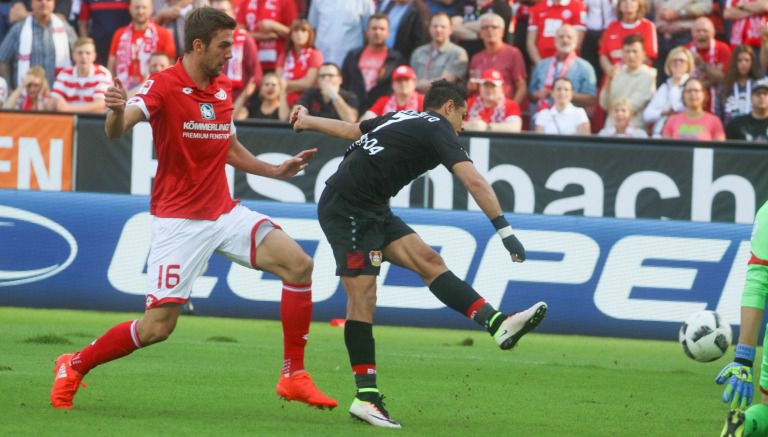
{"type": "Point", "coordinates": [168, 275]}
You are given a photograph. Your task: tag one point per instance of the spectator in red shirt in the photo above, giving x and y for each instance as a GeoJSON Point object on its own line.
{"type": "Point", "coordinates": [244, 65]}
{"type": "Point", "coordinates": [711, 58]}
{"type": "Point", "coordinates": [133, 44]}
{"type": "Point", "coordinates": [158, 61]}
{"type": "Point", "coordinates": [268, 22]}
{"type": "Point", "coordinates": [491, 110]}
{"type": "Point", "coordinates": [81, 88]}
{"type": "Point", "coordinates": [367, 71]}
{"type": "Point", "coordinates": [749, 18]}
{"type": "Point", "coordinates": [404, 95]}
{"type": "Point", "coordinates": [500, 56]}
{"type": "Point", "coordinates": [630, 20]}
{"type": "Point", "coordinates": [546, 17]}
{"type": "Point", "coordinates": [299, 64]}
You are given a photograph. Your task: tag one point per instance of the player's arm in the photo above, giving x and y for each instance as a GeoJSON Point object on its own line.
{"type": "Point", "coordinates": [486, 198]}
{"type": "Point", "coordinates": [301, 120]}
{"type": "Point", "coordinates": [119, 118]}
{"type": "Point", "coordinates": [242, 159]}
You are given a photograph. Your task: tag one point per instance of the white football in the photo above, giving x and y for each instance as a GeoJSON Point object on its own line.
{"type": "Point", "coordinates": [705, 336]}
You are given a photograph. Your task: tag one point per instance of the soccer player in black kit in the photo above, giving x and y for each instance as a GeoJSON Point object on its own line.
{"type": "Point", "coordinates": [389, 152]}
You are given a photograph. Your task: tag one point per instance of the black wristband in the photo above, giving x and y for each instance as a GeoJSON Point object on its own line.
{"type": "Point", "coordinates": [743, 362]}
{"type": "Point", "coordinates": [500, 222]}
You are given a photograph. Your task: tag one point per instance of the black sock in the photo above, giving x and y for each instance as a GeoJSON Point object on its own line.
{"type": "Point", "coordinates": [358, 336]}
{"type": "Point", "coordinates": [453, 292]}
{"type": "Point", "coordinates": [489, 318]}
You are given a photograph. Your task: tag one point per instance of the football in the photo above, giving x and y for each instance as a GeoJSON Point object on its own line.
{"type": "Point", "coordinates": [705, 336]}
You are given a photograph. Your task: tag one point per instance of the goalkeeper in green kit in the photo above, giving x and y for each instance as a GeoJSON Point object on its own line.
{"type": "Point", "coordinates": [737, 376]}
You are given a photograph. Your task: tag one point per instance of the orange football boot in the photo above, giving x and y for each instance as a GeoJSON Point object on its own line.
{"type": "Point", "coordinates": [299, 387]}
{"type": "Point", "coordinates": [66, 383]}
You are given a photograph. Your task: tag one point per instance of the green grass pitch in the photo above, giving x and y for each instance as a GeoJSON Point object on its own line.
{"type": "Point", "coordinates": [217, 376]}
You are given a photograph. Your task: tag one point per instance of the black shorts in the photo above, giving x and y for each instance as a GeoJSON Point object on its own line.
{"type": "Point", "coordinates": [357, 235]}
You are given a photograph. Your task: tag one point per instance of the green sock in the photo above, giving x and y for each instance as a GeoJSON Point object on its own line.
{"type": "Point", "coordinates": [756, 420]}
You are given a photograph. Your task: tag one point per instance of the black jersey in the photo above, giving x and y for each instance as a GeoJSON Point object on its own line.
{"type": "Point", "coordinates": [395, 149]}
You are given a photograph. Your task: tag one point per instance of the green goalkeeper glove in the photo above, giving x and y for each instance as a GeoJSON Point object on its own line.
{"type": "Point", "coordinates": [738, 374]}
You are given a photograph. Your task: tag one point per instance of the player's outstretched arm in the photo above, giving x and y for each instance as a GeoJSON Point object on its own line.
{"type": "Point", "coordinates": [242, 159]}
{"type": "Point", "coordinates": [486, 198]}
{"type": "Point", "coordinates": [119, 118]}
{"type": "Point", "coordinates": [301, 120]}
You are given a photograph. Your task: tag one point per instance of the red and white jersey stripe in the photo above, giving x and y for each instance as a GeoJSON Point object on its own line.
{"type": "Point", "coordinates": [82, 89]}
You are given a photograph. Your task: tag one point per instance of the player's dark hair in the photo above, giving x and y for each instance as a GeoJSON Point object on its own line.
{"type": "Point", "coordinates": [203, 24]}
{"type": "Point", "coordinates": [631, 39]}
{"type": "Point", "coordinates": [441, 91]}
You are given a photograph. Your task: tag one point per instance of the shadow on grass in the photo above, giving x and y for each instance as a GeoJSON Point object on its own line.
{"type": "Point", "coordinates": [221, 339]}
{"type": "Point", "coordinates": [48, 339]}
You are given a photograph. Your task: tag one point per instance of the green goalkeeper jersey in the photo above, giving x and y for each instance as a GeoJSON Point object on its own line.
{"type": "Point", "coordinates": [756, 284]}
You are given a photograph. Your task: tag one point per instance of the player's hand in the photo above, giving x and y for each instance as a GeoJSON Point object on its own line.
{"type": "Point", "coordinates": [511, 243]}
{"type": "Point", "coordinates": [116, 96]}
{"type": "Point", "coordinates": [297, 118]}
{"type": "Point", "coordinates": [299, 162]}
{"type": "Point", "coordinates": [739, 388]}
{"type": "Point", "coordinates": [515, 248]}
{"type": "Point", "coordinates": [738, 377]}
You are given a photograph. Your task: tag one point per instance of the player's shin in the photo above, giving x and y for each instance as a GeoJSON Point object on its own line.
{"type": "Point", "coordinates": [461, 297]}
{"type": "Point", "coordinates": [358, 337]}
{"type": "Point", "coordinates": [296, 315]}
{"type": "Point", "coordinates": [116, 343]}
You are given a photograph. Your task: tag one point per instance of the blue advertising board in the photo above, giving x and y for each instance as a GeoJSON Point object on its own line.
{"type": "Point", "coordinates": [600, 276]}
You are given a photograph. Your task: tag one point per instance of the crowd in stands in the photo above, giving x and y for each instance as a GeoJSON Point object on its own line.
{"type": "Point", "coordinates": [687, 69]}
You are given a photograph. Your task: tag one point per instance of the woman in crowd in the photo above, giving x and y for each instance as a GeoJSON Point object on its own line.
{"type": "Point", "coordinates": [668, 98]}
{"type": "Point", "coordinates": [562, 118]}
{"type": "Point", "coordinates": [269, 104]}
{"type": "Point", "coordinates": [694, 123]}
{"type": "Point", "coordinates": [32, 94]}
{"type": "Point", "coordinates": [622, 114]}
{"type": "Point", "coordinates": [736, 89]}
{"type": "Point", "coordinates": [631, 20]}
{"type": "Point", "coordinates": [299, 65]}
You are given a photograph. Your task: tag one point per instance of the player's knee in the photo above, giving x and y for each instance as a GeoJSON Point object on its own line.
{"type": "Point", "coordinates": [300, 269]}
{"type": "Point", "coordinates": [430, 264]}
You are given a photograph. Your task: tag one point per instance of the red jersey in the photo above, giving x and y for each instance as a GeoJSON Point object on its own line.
{"type": "Point", "coordinates": [546, 18]}
{"type": "Point", "coordinates": [191, 130]}
{"type": "Point", "coordinates": [386, 104]}
{"type": "Point", "coordinates": [492, 114]}
{"type": "Point", "coordinates": [295, 66]}
{"type": "Point", "coordinates": [746, 30]}
{"type": "Point", "coordinates": [81, 89]}
{"type": "Point", "coordinates": [717, 54]}
{"type": "Point", "coordinates": [614, 34]}
{"type": "Point", "coordinates": [253, 11]}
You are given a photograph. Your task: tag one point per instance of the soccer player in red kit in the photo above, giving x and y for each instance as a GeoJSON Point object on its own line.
{"type": "Point", "coordinates": [189, 107]}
